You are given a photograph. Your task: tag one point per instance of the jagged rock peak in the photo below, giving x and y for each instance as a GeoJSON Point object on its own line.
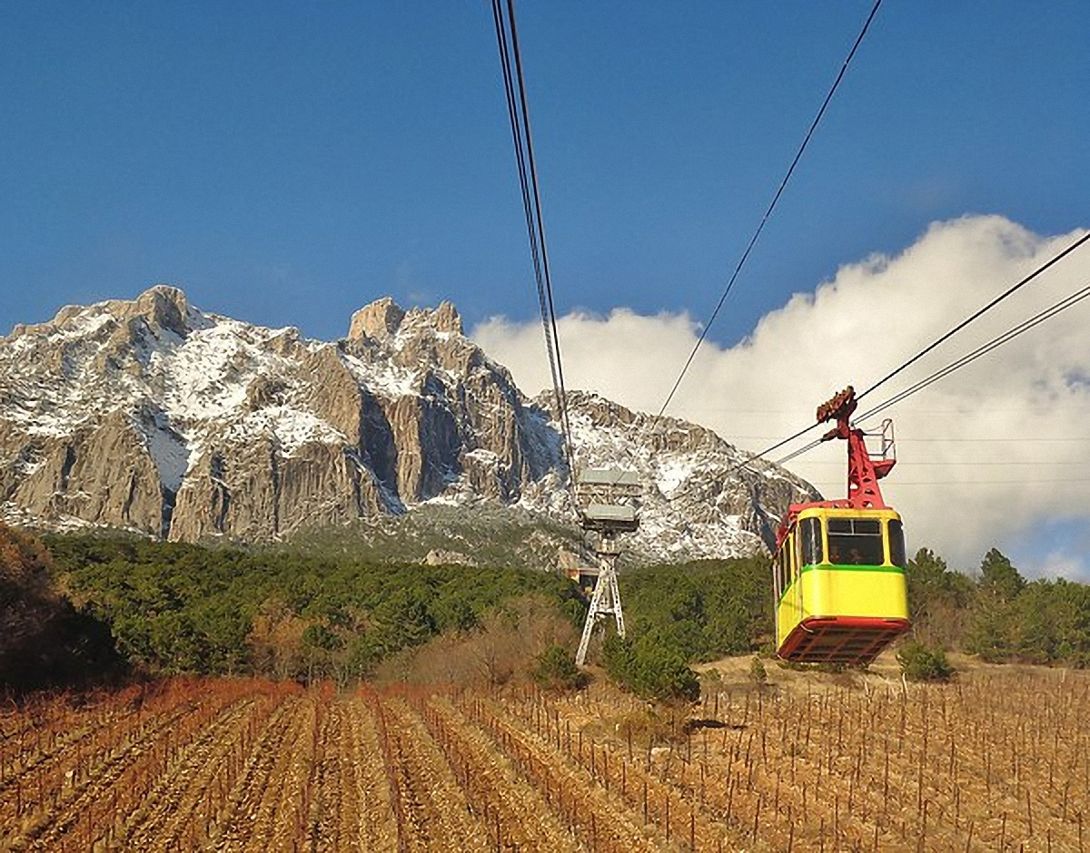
{"type": "Point", "coordinates": [599, 410]}
{"type": "Point", "coordinates": [164, 306]}
{"type": "Point", "coordinates": [446, 318]}
{"type": "Point", "coordinates": [161, 305]}
{"type": "Point", "coordinates": [380, 319]}
{"type": "Point", "coordinates": [151, 415]}
{"type": "Point", "coordinates": [384, 318]}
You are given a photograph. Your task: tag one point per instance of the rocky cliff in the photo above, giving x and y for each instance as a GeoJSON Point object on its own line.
{"type": "Point", "coordinates": [154, 416]}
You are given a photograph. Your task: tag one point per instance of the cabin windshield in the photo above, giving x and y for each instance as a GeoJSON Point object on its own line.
{"type": "Point", "coordinates": [855, 542]}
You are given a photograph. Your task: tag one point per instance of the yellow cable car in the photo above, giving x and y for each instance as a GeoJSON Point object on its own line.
{"type": "Point", "coordinates": [838, 571]}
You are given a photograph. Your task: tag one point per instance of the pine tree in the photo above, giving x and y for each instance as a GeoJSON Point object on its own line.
{"type": "Point", "coordinates": [994, 624]}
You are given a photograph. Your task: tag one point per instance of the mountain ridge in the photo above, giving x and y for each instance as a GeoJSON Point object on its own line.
{"type": "Point", "coordinates": [155, 416]}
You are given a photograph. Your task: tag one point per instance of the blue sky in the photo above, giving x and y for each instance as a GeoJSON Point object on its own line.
{"type": "Point", "coordinates": [288, 162]}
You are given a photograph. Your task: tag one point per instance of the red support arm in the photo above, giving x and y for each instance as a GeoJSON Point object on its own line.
{"type": "Point", "coordinates": [863, 472]}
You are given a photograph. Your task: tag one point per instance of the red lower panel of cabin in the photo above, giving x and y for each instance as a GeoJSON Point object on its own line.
{"type": "Point", "coordinates": [840, 639]}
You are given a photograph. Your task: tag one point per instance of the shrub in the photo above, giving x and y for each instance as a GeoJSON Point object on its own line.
{"type": "Point", "coordinates": [650, 669]}
{"type": "Point", "coordinates": [924, 663]}
{"type": "Point", "coordinates": [757, 673]}
{"type": "Point", "coordinates": [554, 669]}
{"type": "Point", "coordinates": [187, 608]}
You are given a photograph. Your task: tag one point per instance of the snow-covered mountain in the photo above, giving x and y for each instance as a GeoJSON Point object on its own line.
{"type": "Point", "coordinates": [154, 416]}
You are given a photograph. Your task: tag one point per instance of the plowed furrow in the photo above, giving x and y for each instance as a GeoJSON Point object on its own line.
{"type": "Point", "coordinates": [602, 818]}
{"type": "Point", "coordinates": [240, 812]}
{"type": "Point", "coordinates": [438, 815]}
{"type": "Point", "coordinates": [693, 821]}
{"type": "Point", "coordinates": [525, 818]}
{"type": "Point", "coordinates": [68, 729]}
{"type": "Point", "coordinates": [171, 804]}
{"type": "Point", "coordinates": [75, 747]}
{"type": "Point", "coordinates": [332, 797]}
{"type": "Point", "coordinates": [375, 825]}
{"type": "Point", "coordinates": [280, 815]}
{"type": "Point", "coordinates": [193, 819]}
{"type": "Point", "coordinates": [93, 793]}
{"type": "Point", "coordinates": [22, 759]}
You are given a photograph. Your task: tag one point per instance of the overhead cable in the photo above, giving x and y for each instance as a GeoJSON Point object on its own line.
{"type": "Point", "coordinates": [978, 313]}
{"type": "Point", "coordinates": [772, 206]}
{"type": "Point", "coordinates": [965, 360]}
{"type": "Point", "coordinates": [971, 318]}
{"type": "Point", "coordinates": [982, 350]}
{"type": "Point", "coordinates": [518, 114]}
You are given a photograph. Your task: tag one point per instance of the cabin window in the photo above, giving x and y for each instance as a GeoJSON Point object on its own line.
{"type": "Point", "coordinates": [787, 562]}
{"type": "Point", "coordinates": [855, 542]}
{"type": "Point", "coordinates": [897, 543]}
{"type": "Point", "coordinates": [783, 568]}
{"type": "Point", "coordinates": [792, 558]}
{"type": "Point", "coordinates": [811, 541]}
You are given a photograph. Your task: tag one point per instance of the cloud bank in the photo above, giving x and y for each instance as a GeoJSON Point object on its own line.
{"type": "Point", "coordinates": [986, 456]}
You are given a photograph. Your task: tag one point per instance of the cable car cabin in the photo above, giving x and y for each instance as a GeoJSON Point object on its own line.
{"type": "Point", "coordinates": [840, 585]}
{"type": "Point", "coordinates": [839, 567]}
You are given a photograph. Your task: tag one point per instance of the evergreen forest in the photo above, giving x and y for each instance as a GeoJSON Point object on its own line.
{"type": "Point", "coordinates": [73, 606]}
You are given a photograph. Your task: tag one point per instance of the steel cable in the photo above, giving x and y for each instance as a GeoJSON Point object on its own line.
{"type": "Point", "coordinates": [978, 313]}
{"type": "Point", "coordinates": [772, 205]}
{"type": "Point", "coordinates": [519, 118]}
{"type": "Point", "coordinates": [965, 360]}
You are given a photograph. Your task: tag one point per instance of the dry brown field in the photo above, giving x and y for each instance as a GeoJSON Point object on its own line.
{"type": "Point", "coordinates": [999, 760]}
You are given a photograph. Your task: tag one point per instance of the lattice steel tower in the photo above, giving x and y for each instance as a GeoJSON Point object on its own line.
{"type": "Point", "coordinates": [607, 508]}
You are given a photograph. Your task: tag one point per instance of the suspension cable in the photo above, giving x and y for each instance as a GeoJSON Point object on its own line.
{"type": "Point", "coordinates": [965, 360]}
{"type": "Point", "coordinates": [982, 350]}
{"type": "Point", "coordinates": [972, 317]}
{"type": "Point", "coordinates": [518, 115]}
{"type": "Point", "coordinates": [772, 206]}
{"type": "Point", "coordinates": [1018, 285]}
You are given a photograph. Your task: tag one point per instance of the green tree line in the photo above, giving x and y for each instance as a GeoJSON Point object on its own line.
{"type": "Point", "coordinates": [171, 607]}
{"type": "Point", "coordinates": [998, 614]}
{"type": "Point", "coordinates": [678, 614]}
{"type": "Point", "coordinates": [681, 614]}
{"type": "Point", "coordinates": [175, 607]}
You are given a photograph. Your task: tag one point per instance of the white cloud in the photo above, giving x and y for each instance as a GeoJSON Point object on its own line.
{"type": "Point", "coordinates": [870, 317]}
{"type": "Point", "coordinates": [1059, 564]}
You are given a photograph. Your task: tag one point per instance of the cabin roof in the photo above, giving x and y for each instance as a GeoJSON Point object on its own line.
{"type": "Point", "coordinates": [607, 477]}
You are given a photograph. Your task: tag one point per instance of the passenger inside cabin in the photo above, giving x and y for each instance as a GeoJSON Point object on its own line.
{"type": "Point", "coordinates": [855, 542]}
